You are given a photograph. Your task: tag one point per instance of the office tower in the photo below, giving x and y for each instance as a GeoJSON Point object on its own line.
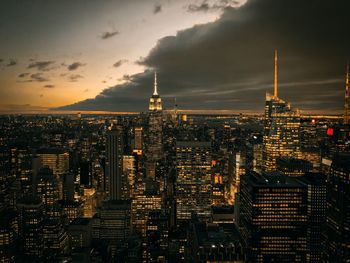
{"type": "Point", "coordinates": [157, 232]}
{"type": "Point", "coordinates": [55, 238]}
{"type": "Point", "coordinates": [58, 161]}
{"type": "Point", "coordinates": [293, 167]}
{"type": "Point", "coordinates": [257, 157]}
{"type": "Point", "coordinates": [273, 218]}
{"type": "Point", "coordinates": [47, 189]}
{"type": "Point", "coordinates": [316, 214]}
{"type": "Point", "coordinates": [114, 152]}
{"type": "Point", "coordinates": [193, 185]}
{"type": "Point", "coordinates": [145, 200]}
{"type": "Point", "coordinates": [337, 231]}
{"type": "Point", "coordinates": [281, 129]}
{"type": "Point", "coordinates": [115, 223]}
{"type": "Point", "coordinates": [155, 123]}
{"type": "Point", "coordinates": [30, 222]}
{"type": "Point", "coordinates": [138, 140]}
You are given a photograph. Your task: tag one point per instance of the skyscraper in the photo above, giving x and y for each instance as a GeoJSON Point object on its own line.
{"type": "Point", "coordinates": [155, 127]}
{"type": "Point", "coordinates": [337, 229]}
{"type": "Point", "coordinates": [114, 152]}
{"type": "Point", "coordinates": [281, 128]}
{"type": "Point", "coordinates": [273, 218]}
{"type": "Point", "coordinates": [193, 185]}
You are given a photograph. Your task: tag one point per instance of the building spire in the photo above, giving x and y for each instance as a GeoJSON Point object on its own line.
{"type": "Point", "coordinates": [346, 106]}
{"type": "Point", "coordinates": [275, 83]}
{"type": "Point", "coordinates": [155, 92]}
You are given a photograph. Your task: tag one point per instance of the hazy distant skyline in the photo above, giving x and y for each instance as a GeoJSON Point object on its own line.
{"type": "Point", "coordinates": [217, 54]}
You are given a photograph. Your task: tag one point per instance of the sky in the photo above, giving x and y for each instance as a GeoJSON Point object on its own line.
{"type": "Point", "coordinates": [208, 54]}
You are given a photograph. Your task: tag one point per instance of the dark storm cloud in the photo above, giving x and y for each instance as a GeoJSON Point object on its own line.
{"type": "Point", "coordinates": [228, 64]}
{"type": "Point", "coordinates": [11, 63]}
{"type": "Point", "coordinates": [49, 86]}
{"type": "Point", "coordinates": [41, 65]}
{"type": "Point", "coordinates": [110, 34]}
{"type": "Point", "coordinates": [119, 63]}
{"type": "Point", "coordinates": [157, 8]}
{"type": "Point", "coordinates": [75, 66]}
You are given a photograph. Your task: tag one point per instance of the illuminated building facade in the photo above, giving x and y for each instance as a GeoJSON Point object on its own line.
{"type": "Point", "coordinates": [281, 129]}
{"type": "Point", "coordinates": [337, 232]}
{"type": "Point", "coordinates": [146, 199]}
{"type": "Point", "coordinates": [58, 161]}
{"type": "Point", "coordinates": [193, 185]}
{"type": "Point", "coordinates": [273, 218]}
{"type": "Point", "coordinates": [114, 152]}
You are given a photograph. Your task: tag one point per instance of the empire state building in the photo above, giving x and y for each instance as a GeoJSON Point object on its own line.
{"type": "Point", "coordinates": [154, 147]}
{"type": "Point", "coordinates": [155, 102]}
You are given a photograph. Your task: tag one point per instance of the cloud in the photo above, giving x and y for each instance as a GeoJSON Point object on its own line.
{"type": "Point", "coordinates": [119, 63]}
{"type": "Point", "coordinates": [228, 64]}
{"type": "Point", "coordinates": [86, 90]}
{"type": "Point", "coordinates": [157, 8]}
{"type": "Point", "coordinates": [214, 5]}
{"type": "Point", "coordinates": [41, 95]}
{"type": "Point", "coordinates": [11, 63]}
{"type": "Point", "coordinates": [75, 66]}
{"type": "Point", "coordinates": [23, 75]}
{"type": "Point", "coordinates": [41, 65]}
{"type": "Point", "coordinates": [109, 34]}
{"type": "Point", "coordinates": [38, 77]}
{"type": "Point", "coordinates": [49, 86]}
{"type": "Point", "coordinates": [74, 77]}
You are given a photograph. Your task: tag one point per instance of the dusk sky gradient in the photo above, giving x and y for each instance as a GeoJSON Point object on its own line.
{"type": "Point", "coordinates": [215, 54]}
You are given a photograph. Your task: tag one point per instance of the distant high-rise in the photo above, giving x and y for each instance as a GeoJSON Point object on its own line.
{"type": "Point", "coordinates": [273, 218]}
{"type": "Point", "coordinates": [193, 184]}
{"type": "Point", "coordinates": [114, 152]}
{"type": "Point", "coordinates": [346, 106]}
{"type": "Point", "coordinates": [281, 129]}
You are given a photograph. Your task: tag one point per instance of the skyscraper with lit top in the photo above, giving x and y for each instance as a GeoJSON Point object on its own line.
{"type": "Point", "coordinates": [281, 128]}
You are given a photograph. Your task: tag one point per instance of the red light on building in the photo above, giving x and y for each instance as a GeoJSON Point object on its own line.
{"type": "Point", "coordinates": [213, 163]}
{"type": "Point", "coordinates": [330, 131]}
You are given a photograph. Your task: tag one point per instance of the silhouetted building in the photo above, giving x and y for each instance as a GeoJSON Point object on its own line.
{"type": "Point", "coordinates": [114, 152]}
{"type": "Point", "coordinates": [337, 232]}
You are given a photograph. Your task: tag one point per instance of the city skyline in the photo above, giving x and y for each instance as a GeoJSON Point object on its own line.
{"type": "Point", "coordinates": [59, 56]}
